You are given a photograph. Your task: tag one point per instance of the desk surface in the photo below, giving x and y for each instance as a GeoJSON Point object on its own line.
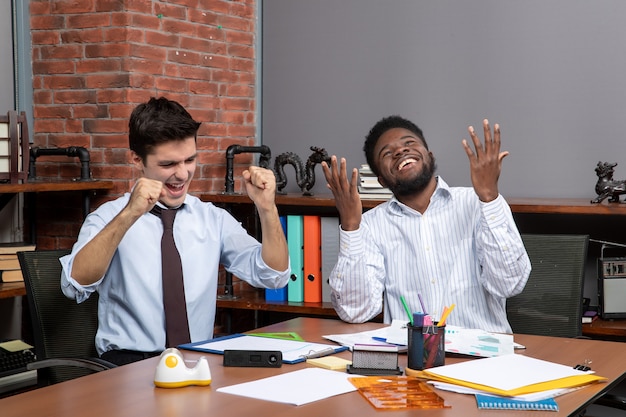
{"type": "Point", "coordinates": [129, 390]}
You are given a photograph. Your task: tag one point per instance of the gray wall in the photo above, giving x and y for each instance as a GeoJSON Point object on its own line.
{"type": "Point", "coordinates": [551, 72]}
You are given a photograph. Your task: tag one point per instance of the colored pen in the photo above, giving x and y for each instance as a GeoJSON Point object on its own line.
{"type": "Point", "coordinates": [446, 313]}
{"type": "Point", "coordinates": [406, 308]}
{"type": "Point", "coordinates": [419, 297]}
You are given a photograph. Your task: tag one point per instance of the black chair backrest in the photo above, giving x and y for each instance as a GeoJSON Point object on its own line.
{"type": "Point", "coordinates": [61, 327]}
{"type": "Point", "coordinates": [551, 303]}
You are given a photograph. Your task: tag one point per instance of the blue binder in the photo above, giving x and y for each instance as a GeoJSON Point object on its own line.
{"type": "Point", "coordinates": [278, 294]}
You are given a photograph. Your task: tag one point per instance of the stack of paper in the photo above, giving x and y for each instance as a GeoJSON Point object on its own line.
{"type": "Point", "coordinates": [471, 342]}
{"type": "Point", "coordinates": [511, 375]}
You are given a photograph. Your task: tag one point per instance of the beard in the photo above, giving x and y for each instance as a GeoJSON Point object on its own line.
{"type": "Point", "coordinates": [415, 185]}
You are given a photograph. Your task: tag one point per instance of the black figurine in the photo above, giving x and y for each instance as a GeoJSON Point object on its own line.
{"type": "Point", "coordinates": [305, 176]}
{"type": "Point", "coordinates": [606, 185]}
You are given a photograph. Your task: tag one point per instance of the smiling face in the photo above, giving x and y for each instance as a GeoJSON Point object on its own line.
{"type": "Point", "coordinates": [173, 163]}
{"type": "Point", "coordinates": [405, 165]}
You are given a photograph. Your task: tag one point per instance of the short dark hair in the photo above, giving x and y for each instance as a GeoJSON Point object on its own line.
{"type": "Point", "coordinates": [158, 121]}
{"type": "Point", "coordinates": [382, 126]}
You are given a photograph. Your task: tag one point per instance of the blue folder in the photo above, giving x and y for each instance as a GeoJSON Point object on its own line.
{"type": "Point", "coordinates": [294, 351]}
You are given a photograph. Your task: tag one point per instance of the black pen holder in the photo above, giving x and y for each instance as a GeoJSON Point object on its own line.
{"type": "Point", "coordinates": [426, 346]}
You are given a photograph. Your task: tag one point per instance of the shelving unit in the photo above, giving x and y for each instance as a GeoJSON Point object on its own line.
{"type": "Point", "coordinates": [551, 215]}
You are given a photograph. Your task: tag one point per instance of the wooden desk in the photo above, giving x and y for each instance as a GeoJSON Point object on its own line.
{"type": "Point", "coordinates": [129, 390]}
{"type": "Point", "coordinates": [600, 329]}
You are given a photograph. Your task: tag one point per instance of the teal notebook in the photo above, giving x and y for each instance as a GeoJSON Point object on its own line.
{"type": "Point", "coordinates": [490, 402]}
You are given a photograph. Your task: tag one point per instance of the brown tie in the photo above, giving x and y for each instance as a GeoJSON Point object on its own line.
{"type": "Point", "coordinates": [176, 327]}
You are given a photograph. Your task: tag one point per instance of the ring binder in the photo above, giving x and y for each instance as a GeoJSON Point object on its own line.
{"type": "Point", "coordinates": [313, 354]}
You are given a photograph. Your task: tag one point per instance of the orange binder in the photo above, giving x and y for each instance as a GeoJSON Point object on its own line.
{"type": "Point", "coordinates": [312, 259]}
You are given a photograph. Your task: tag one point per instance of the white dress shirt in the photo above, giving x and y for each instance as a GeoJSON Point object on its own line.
{"type": "Point", "coordinates": [130, 309]}
{"type": "Point", "coordinates": [459, 251]}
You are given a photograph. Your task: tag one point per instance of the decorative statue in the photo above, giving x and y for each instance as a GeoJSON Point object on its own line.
{"type": "Point", "coordinates": [606, 185]}
{"type": "Point", "coordinates": [305, 176]}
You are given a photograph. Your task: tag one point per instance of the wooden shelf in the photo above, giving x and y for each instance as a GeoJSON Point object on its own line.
{"type": "Point", "coordinates": [12, 289]}
{"type": "Point", "coordinates": [565, 206]}
{"type": "Point", "coordinates": [614, 330]}
{"type": "Point", "coordinates": [325, 203]}
{"type": "Point", "coordinates": [518, 205]}
{"type": "Point", "coordinates": [41, 186]}
{"type": "Point", "coordinates": [292, 199]}
{"type": "Point", "coordinates": [254, 299]}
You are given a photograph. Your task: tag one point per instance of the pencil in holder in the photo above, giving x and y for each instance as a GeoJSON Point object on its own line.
{"type": "Point", "coordinates": [426, 346]}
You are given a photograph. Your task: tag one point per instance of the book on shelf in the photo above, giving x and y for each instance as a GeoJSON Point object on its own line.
{"type": "Point", "coordinates": [9, 262]}
{"type": "Point", "coordinates": [375, 196]}
{"type": "Point", "coordinates": [369, 187]}
{"type": "Point", "coordinates": [10, 269]}
{"type": "Point", "coordinates": [381, 193]}
{"type": "Point", "coordinates": [11, 248]}
{"type": "Point", "coordinates": [365, 169]}
{"type": "Point", "coordinates": [13, 275]}
{"type": "Point", "coordinates": [370, 183]}
{"type": "Point", "coordinates": [589, 316]}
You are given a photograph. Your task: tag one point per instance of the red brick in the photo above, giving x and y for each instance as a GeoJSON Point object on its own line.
{"type": "Point", "coordinates": [170, 11]}
{"type": "Point", "coordinates": [107, 80]}
{"type": "Point", "coordinates": [107, 50]}
{"type": "Point", "coordinates": [75, 96]}
{"type": "Point", "coordinates": [105, 126]}
{"type": "Point", "coordinates": [67, 6]}
{"type": "Point", "coordinates": [82, 36]}
{"type": "Point", "coordinates": [130, 56]}
{"type": "Point", "coordinates": [98, 65]}
{"type": "Point", "coordinates": [89, 20]}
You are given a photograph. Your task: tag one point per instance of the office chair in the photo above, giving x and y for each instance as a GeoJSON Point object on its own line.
{"type": "Point", "coordinates": [63, 331]}
{"type": "Point", "coordinates": [551, 302]}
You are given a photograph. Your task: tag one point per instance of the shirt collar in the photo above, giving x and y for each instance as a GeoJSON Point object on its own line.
{"type": "Point", "coordinates": [441, 194]}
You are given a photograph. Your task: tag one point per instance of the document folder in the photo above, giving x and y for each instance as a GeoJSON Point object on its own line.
{"type": "Point", "coordinates": [294, 351]}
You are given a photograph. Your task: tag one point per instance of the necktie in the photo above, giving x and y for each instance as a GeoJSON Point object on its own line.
{"type": "Point", "coordinates": [176, 325]}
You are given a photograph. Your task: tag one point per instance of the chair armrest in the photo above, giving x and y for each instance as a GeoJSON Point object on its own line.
{"type": "Point", "coordinates": [95, 364]}
{"type": "Point", "coordinates": [612, 401]}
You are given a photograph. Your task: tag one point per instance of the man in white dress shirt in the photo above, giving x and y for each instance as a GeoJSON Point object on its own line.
{"type": "Point", "coordinates": [445, 245]}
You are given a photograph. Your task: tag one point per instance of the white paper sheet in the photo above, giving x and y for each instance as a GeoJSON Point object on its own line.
{"type": "Point", "coordinates": [506, 372]}
{"type": "Point", "coordinates": [297, 388]}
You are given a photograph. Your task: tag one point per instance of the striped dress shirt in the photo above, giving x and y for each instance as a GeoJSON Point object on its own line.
{"type": "Point", "coordinates": [459, 251]}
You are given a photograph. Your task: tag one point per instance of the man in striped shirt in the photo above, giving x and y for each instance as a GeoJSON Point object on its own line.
{"type": "Point", "coordinates": [445, 245]}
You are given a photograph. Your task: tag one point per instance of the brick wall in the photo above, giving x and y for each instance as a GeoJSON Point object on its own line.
{"type": "Point", "coordinates": [94, 60]}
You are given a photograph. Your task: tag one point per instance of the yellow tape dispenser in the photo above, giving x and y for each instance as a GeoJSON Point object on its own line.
{"type": "Point", "coordinates": [171, 372]}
